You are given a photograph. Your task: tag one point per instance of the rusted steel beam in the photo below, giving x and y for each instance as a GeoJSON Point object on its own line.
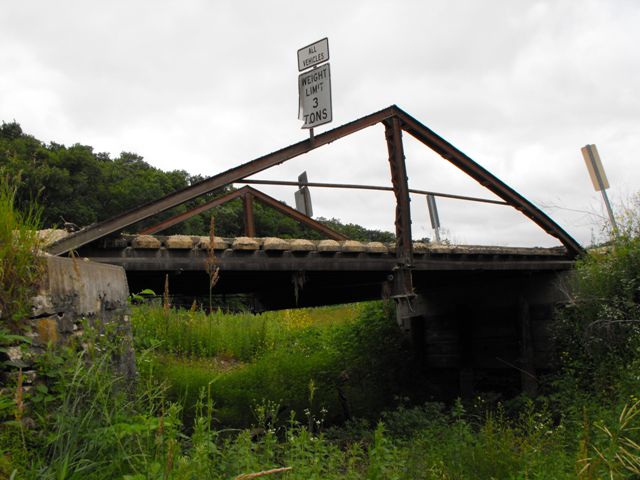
{"type": "Point", "coordinates": [115, 224]}
{"type": "Point", "coordinates": [181, 217]}
{"type": "Point", "coordinates": [399, 179]}
{"type": "Point", "coordinates": [296, 215]}
{"type": "Point", "coordinates": [426, 136]}
{"type": "Point", "coordinates": [402, 283]}
{"type": "Point", "coordinates": [370, 187]}
{"type": "Point", "coordinates": [249, 222]}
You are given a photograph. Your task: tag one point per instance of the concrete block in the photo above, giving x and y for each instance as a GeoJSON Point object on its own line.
{"type": "Point", "coordinates": [51, 235]}
{"type": "Point", "coordinates": [219, 243]}
{"type": "Point", "coordinates": [328, 246]}
{"type": "Point", "coordinates": [245, 243]}
{"type": "Point", "coordinates": [420, 248]}
{"type": "Point", "coordinates": [302, 245]}
{"type": "Point", "coordinates": [275, 244]}
{"type": "Point", "coordinates": [179, 242]}
{"type": "Point", "coordinates": [376, 247]}
{"type": "Point", "coordinates": [146, 241]}
{"type": "Point", "coordinates": [82, 287]}
{"type": "Point", "coordinates": [352, 246]}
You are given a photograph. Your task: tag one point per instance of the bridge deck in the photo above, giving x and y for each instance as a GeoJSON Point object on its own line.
{"type": "Point", "coordinates": [186, 253]}
{"type": "Point", "coordinates": [325, 271]}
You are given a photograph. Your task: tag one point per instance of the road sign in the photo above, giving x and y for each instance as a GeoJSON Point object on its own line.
{"type": "Point", "coordinates": [313, 54]}
{"type": "Point", "coordinates": [594, 165]}
{"type": "Point", "coordinates": [314, 96]}
{"type": "Point", "coordinates": [598, 178]}
{"type": "Point", "coordinates": [303, 196]}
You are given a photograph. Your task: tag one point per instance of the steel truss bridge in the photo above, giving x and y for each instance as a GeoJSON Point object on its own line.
{"type": "Point", "coordinates": [464, 306]}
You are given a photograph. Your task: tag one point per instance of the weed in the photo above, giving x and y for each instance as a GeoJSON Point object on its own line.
{"type": "Point", "coordinates": [20, 267]}
{"type": "Point", "coordinates": [616, 451]}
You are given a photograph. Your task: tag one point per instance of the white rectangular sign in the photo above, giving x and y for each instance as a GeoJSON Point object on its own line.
{"type": "Point", "coordinates": [313, 54]}
{"type": "Point", "coordinates": [314, 95]}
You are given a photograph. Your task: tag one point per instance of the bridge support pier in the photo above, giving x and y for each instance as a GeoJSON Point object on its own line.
{"type": "Point", "coordinates": [488, 332]}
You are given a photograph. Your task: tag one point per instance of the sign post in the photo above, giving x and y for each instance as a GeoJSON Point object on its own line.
{"type": "Point", "coordinates": [314, 86]}
{"type": "Point", "coordinates": [433, 215]}
{"type": "Point", "coordinates": [598, 178]}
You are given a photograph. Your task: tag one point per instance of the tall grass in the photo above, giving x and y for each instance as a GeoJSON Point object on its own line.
{"type": "Point", "coordinates": [353, 354]}
{"type": "Point", "coordinates": [19, 268]}
{"type": "Point", "coordinates": [238, 336]}
{"type": "Point", "coordinates": [97, 431]}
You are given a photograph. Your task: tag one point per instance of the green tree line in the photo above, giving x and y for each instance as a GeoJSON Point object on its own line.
{"type": "Point", "coordinates": [75, 184]}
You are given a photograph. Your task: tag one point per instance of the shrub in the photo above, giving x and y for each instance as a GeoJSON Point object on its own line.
{"type": "Point", "coordinates": [598, 335]}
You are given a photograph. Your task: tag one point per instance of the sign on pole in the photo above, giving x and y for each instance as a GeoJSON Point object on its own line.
{"type": "Point", "coordinates": [313, 54]}
{"type": "Point", "coordinates": [594, 165]}
{"type": "Point", "coordinates": [314, 93]}
{"type": "Point", "coordinates": [314, 86]}
{"type": "Point", "coordinates": [303, 196]}
{"type": "Point", "coordinates": [598, 178]}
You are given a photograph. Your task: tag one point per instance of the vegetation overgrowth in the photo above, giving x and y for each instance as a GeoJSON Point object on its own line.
{"type": "Point", "coordinates": [19, 244]}
{"type": "Point", "coordinates": [351, 357]}
{"type": "Point", "coordinates": [321, 394]}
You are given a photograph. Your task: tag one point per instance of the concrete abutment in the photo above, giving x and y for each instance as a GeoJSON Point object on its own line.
{"type": "Point", "coordinates": [484, 332]}
{"type": "Point", "coordinates": [80, 304]}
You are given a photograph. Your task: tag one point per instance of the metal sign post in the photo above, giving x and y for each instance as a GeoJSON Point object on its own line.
{"type": "Point", "coordinates": [314, 86]}
{"type": "Point", "coordinates": [598, 178]}
{"type": "Point", "coordinates": [433, 215]}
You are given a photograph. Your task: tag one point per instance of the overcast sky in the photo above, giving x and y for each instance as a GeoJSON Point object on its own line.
{"type": "Point", "coordinates": [203, 86]}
